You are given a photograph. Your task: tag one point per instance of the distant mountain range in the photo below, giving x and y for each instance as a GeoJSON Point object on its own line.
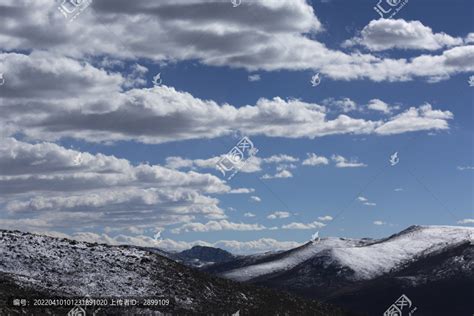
{"type": "Point", "coordinates": [432, 265]}
{"type": "Point", "coordinates": [36, 266]}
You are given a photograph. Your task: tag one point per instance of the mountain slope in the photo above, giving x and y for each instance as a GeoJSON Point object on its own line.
{"type": "Point", "coordinates": [45, 266]}
{"type": "Point", "coordinates": [201, 256]}
{"type": "Point", "coordinates": [365, 258]}
{"type": "Point", "coordinates": [369, 275]}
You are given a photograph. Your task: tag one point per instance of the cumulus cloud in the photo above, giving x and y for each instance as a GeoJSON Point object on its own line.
{"type": "Point", "coordinates": [315, 160]}
{"type": "Point", "coordinates": [249, 214]}
{"type": "Point", "coordinates": [255, 198]}
{"type": "Point", "coordinates": [280, 158]}
{"type": "Point", "coordinates": [254, 77]}
{"type": "Point", "coordinates": [414, 119]}
{"type": "Point", "coordinates": [365, 201]}
{"type": "Point", "coordinates": [77, 100]}
{"type": "Point", "coordinates": [386, 34]}
{"type": "Point", "coordinates": [379, 223]}
{"type": "Point", "coordinates": [46, 185]}
{"type": "Point", "coordinates": [234, 246]}
{"type": "Point", "coordinates": [279, 214]}
{"type": "Point", "coordinates": [466, 221]}
{"type": "Point", "coordinates": [279, 175]}
{"type": "Point", "coordinates": [217, 226]}
{"type": "Point", "coordinates": [325, 218]}
{"type": "Point", "coordinates": [242, 191]}
{"type": "Point", "coordinates": [215, 34]}
{"type": "Point", "coordinates": [343, 104]}
{"type": "Point", "coordinates": [296, 225]}
{"type": "Point", "coordinates": [462, 168]}
{"type": "Point", "coordinates": [381, 106]}
{"type": "Point", "coordinates": [342, 162]}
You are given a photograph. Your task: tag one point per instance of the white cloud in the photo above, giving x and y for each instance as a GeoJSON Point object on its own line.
{"type": "Point", "coordinates": [280, 215]}
{"type": "Point", "coordinates": [249, 214]}
{"type": "Point", "coordinates": [46, 185]}
{"type": "Point", "coordinates": [344, 104]}
{"type": "Point", "coordinates": [255, 198]}
{"type": "Point", "coordinates": [296, 225]}
{"type": "Point", "coordinates": [398, 189]}
{"type": "Point", "coordinates": [234, 246]}
{"type": "Point", "coordinates": [325, 218]}
{"type": "Point", "coordinates": [381, 106]}
{"type": "Point", "coordinates": [280, 159]}
{"type": "Point", "coordinates": [226, 38]}
{"type": "Point", "coordinates": [254, 77]}
{"type": "Point", "coordinates": [386, 34]}
{"type": "Point", "coordinates": [466, 221]}
{"type": "Point", "coordinates": [415, 119]}
{"type": "Point", "coordinates": [105, 113]}
{"type": "Point", "coordinates": [279, 175]}
{"type": "Point", "coordinates": [342, 162]}
{"type": "Point", "coordinates": [260, 245]}
{"type": "Point", "coordinates": [217, 226]}
{"type": "Point", "coordinates": [242, 191]}
{"type": "Point", "coordinates": [315, 160]}
{"type": "Point", "coordinates": [465, 168]}
{"type": "Point", "coordinates": [379, 223]}
{"type": "Point", "coordinates": [365, 201]}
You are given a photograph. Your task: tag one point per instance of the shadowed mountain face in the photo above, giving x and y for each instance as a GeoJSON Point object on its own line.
{"type": "Point", "coordinates": [40, 266]}
{"type": "Point", "coordinates": [200, 256]}
{"type": "Point", "coordinates": [434, 266]}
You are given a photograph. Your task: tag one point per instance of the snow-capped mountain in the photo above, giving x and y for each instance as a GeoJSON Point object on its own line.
{"type": "Point", "coordinates": [353, 273]}
{"type": "Point", "coordinates": [40, 266]}
{"type": "Point", "coordinates": [366, 258]}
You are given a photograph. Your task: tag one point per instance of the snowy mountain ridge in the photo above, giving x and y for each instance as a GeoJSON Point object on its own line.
{"type": "Point", "coordinates": [34, 265]}
{"type": "Point", "coordinates": [367, 258]}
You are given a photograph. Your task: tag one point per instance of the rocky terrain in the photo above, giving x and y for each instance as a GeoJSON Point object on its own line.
{"type": "Point", "coordinates": [433, 265]}
{"type": "Point", "coordinates": [36, 266]}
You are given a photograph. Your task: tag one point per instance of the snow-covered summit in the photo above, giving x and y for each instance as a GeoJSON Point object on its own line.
{"type": "Point", "coordinates": [367, 258]}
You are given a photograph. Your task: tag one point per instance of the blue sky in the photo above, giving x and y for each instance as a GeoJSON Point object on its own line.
{"type": "Point", "coordinates": [68, 99]}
